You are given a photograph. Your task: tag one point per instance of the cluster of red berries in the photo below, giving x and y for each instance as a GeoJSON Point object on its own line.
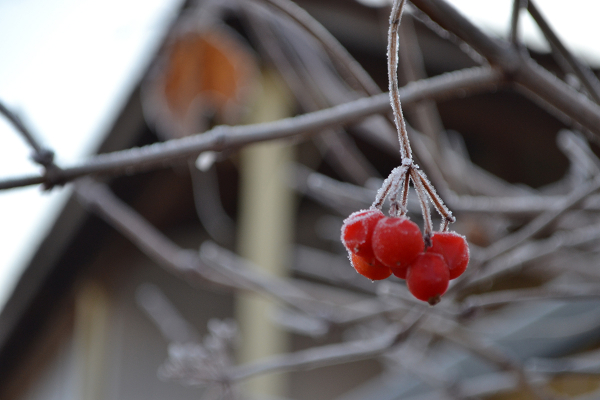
{"type": "Point", "coordinates": [380, 246]}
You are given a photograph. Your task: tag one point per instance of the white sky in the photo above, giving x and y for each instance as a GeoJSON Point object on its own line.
{"type": "Point", "coordinates": [68, 65]}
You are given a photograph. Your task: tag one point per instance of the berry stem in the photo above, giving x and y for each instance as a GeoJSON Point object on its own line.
{"type": "Point", "coordinates": [404, 198]}
{"type": "Point", "coordinates": [421, 194]}
{"type": "Point", "coordinates": [390, 185]}
{"type": "Point", "coordinates": [392, 50]}
{"type": "Point", "coordinates": [401, 177]}
{"type": "Point", "coordinates": [444, 224]}
{"type": "Point", "coordinates": [436, 200]}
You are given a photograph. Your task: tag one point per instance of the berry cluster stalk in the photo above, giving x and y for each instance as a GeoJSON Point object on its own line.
{"type": "Point", "coordinates": [397, 183]}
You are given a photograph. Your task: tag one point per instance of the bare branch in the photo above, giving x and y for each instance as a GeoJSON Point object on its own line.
{"type": "Point", "coordinates": [331, 354]}
{"type": "Point", "coordinates": [213, 265]}
{"type": "Point", "coordinates": [518, 295]}
{"type": "Point", "coordinates": [542, 221]}
{"type": "Point", "coordinates": [480, 386]}
{"type": "Point", "coordinates": [525, 72]}
{"type": "Point", "coordinates": [276, 39]}
{"type": "Point", "coordinates": [42, 155]}
{"type": "Point", "coordinates": [518, 5]}
{"type": "Point", "coordinates": [586, 363]}
{"type": "Point", "coordinates": [165, 316]}
{"type": "Point", "coordinates": [583, 72]}
{"type": "Point", "coordinates": [227, 137]}
{"type": "Point", "coordinates": [534, 250]}
{"type": "Point", "coordinates": [487, 350]}
{"type": "Point", "coordinates": [338, 53]}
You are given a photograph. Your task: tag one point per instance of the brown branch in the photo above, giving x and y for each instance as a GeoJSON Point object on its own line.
{"type": "Point", "coordinates": [525, 72]}
{"type": "Point", "coordinates": [227, 137]}
{"type": "Point", "coordinates": [518, 5]}
{"type": "Point", "coordinates": [583, 72]}
{"type": "Point", "coordinates": [42, 155]}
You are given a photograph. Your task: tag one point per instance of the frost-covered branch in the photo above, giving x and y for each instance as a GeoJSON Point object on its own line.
{"type": "Point", "coordinates": [212, 265]}
{"type": "Point", "coordinates": [331, 354]}
{"type": "Point", "coordinates": [230, 137]}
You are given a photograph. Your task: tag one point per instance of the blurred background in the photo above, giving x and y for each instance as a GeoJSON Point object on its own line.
{"type": "Point", "coordinates": [87, 315]}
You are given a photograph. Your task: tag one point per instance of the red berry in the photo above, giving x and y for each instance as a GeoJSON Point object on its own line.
{"type": "Point", "coordinates": [357, 232]}
{"type": "Point", "coordinates": [400, 272]}
{"type": "Point", "coordinates": [427, 278]}
{"type": "Point", "coordinates": [397, 242]}
{"type": "Point", "coordinates": [374, 271]}
{"type": "Point", "coordinates": [455, 250]}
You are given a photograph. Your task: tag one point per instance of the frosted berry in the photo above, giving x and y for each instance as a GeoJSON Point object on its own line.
{"type": "Point", "coordinates": [374, 271]}
{"type": "Point", "coordinates": [397, 242]}
{"type": "Point", "coordinates": [357, 232]}
{"type": "Point", "coordinates": [400, 272]}
{"type": "Point", "coordinates": [427, 278]}
{"type": "Point", "coordinates": [455, 250]}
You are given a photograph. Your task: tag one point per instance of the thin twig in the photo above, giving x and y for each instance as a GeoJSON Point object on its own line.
{"type": "Point", "coordinates": [41, 155]}
{"type": "Point", "coordinates": [165, 315]}
{"type": "Point", "coordinates": [436, 200]}
{"type": "Point", "coordinates": [339, 54]}
{"type": "Point", "coordinates": [517, 207]}
{"type": "Point", "coordinates": [339, 150]}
